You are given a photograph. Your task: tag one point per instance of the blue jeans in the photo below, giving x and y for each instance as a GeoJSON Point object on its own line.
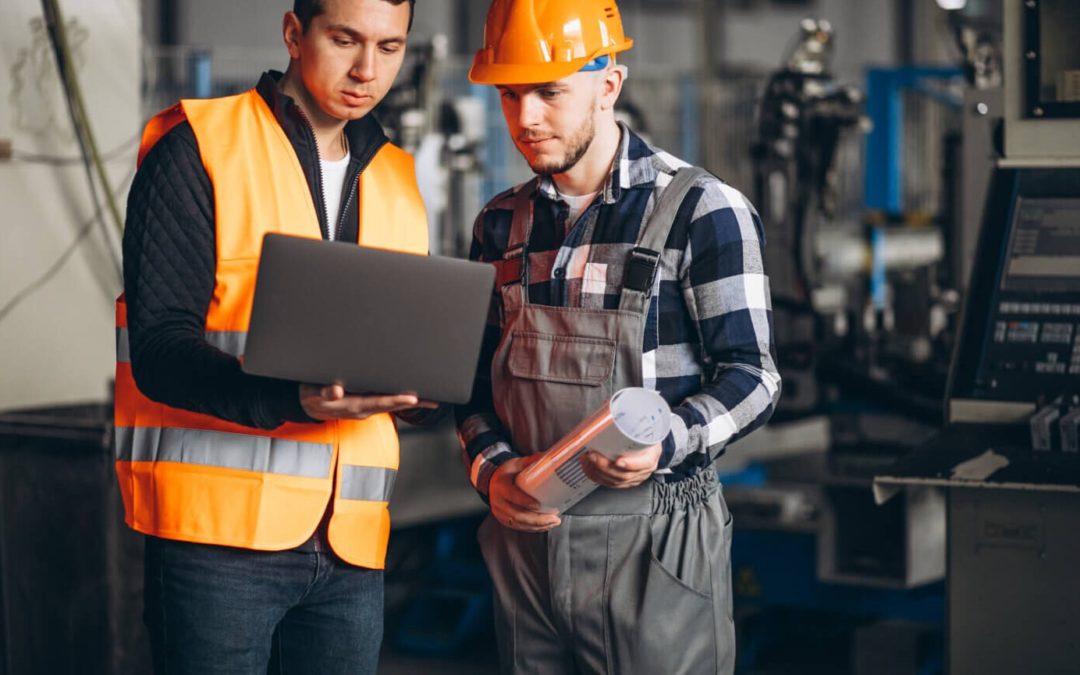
{"type": "Point", "coordinates": [212, 609]}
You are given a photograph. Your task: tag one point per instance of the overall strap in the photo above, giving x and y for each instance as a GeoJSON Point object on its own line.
{"type": "Point", "coordinates": [513, 268]}
{"type": "Point", "coordinates": [645, 256]}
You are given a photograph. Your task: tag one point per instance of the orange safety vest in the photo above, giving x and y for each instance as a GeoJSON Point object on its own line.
{"type": "Point", "coordinates": [194, 477]}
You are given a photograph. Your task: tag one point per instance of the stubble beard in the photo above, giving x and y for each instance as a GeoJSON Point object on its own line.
{"type": "Point", "coordinates": [577, 146]}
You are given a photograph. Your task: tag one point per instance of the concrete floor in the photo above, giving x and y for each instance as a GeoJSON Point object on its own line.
{"type": "Point", "coordinates": [399, 664]}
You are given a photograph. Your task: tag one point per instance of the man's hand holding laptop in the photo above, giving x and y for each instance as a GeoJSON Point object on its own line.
{"type": "Point", "coordinates": [332, 403]}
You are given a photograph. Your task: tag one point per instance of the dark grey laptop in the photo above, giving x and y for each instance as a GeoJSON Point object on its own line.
{"type": "Point", "coordinates": [373, 320]}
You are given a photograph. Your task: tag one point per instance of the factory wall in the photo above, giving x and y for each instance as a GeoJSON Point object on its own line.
{"type": "Point", "coordinates": [57, 345]}
{"type": "Point", "coordinates": [866, 33]}
{"type": "Point", "coordinates": [668, 33]}
{"type": "Point", "coordinates": [246, 34]}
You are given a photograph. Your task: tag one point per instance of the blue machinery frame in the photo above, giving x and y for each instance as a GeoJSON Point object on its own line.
{"type": "Point", "coordinates": [885, 89]}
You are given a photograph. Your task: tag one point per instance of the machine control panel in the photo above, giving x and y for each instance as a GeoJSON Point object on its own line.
{"type": "Point", "coordinates": [1032, 338]}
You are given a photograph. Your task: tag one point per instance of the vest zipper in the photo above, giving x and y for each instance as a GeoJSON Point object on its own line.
{"type": "Point", "coordinates": [345, 210]}
{"type": "Point", "coordinates": [320, 198]}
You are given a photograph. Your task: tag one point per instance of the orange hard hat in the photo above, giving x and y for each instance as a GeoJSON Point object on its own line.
{"type": "Point", "coordinates": [532, 41]}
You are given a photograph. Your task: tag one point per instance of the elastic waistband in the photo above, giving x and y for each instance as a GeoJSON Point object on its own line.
{"type": "Point", "coordinates": [651, 497]}
{"type": "Point", "coordinates": [668, 497]}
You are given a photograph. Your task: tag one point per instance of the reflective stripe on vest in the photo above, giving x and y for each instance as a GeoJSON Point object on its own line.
{"type": "Point", "coordinates": [221, 449]}
{"type": "Point", "coordinates": [230, 342]}
{"type": "Point", "coordinates": [367, 483]}
{"type": "Point", "coordinates": [123, 348]}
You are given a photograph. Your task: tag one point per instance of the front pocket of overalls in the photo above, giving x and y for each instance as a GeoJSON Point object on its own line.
{"type": "Point", "coordinates": [561, 358]}
{"type": "Point", "coordinates": [657, 622]}
{"type": "Point", "coordinates": [679, 544]}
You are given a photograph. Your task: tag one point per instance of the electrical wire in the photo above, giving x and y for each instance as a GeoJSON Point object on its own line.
{"type": "Point", "coordinates": [60, 160]}
{"type": "Point", "coordinates": [83, 232]}
{"type": "Point", "coordinates": [73, 95]}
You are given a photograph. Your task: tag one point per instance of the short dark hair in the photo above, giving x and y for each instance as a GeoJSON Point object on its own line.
{"type": "Point", "coordinates": [307, 10]}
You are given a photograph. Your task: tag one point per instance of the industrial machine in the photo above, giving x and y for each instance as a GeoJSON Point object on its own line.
{"type": "Point", "coordinates": [862, 310]}
{"type": "Point", "coordinates": [445, 134]}
{"type": "Point", "coordinates": [1007, 458]}
{"type": "Point", "coordinates": [863, 291]}
{"type": "Point", "coordinates": [971, 201]}
{"type": "Point", "coordinates": [861, 301]}
{"type": "Point", "coordinates": [803, 115]}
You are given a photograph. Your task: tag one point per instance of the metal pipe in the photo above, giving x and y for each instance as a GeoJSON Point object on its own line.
{"type": "Point", "coordinates": [843, 254]}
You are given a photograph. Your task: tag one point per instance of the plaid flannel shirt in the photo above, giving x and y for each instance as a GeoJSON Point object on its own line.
{"type": "Point", "coordinates": [708, 334]}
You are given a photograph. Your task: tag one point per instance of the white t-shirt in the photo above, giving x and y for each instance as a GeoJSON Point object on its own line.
{"type": "Point", "coordinates": [333, 180]}
{"type": "Point", "coordinates": [577, 205]}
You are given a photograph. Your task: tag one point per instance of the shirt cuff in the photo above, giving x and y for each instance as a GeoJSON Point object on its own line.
{"type": "Point", "coordinates": [284, 402]}
{"type": "Point", "coordinates": [484, 465]}
{"type": "Point", "coordinates": [673, 449]}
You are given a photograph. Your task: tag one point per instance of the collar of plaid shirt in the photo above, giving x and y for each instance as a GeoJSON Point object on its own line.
{"type": "Point", "coordinates": [625, 173]}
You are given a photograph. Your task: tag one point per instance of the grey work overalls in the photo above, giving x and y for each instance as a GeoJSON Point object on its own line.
{"type": "Point", "coordinates": [634, 580]}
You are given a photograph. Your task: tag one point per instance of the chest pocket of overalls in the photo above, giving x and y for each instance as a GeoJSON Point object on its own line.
{"type": "Point", "coordinates": [566, 359]}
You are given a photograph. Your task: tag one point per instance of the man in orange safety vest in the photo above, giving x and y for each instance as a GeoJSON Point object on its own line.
{"type": "Point", "coordinates": [264, 502]}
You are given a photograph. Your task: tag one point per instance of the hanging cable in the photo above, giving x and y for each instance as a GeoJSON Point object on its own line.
{"type": "Point", "coordinates": [84, 230]}
{"type": "Point", "coordinates": [45, 277]}
{"type": "Point", "coordinates": [77, 109]}
{"type": "Point", "coordinates": [17, 299]}
{"type": "Point", "coordinates": [60, 160]}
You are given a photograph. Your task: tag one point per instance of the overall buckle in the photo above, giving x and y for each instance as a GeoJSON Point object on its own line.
{"type": "Point", "coordinates": [511, 267]}
{"type": "Point", "coordinates": [641, 269]}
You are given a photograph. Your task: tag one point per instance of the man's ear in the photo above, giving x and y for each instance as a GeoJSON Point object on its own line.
{"type": "Point", "coordinates": [611, 86]}
{"type": "Point", "coordinates": [291, 31]}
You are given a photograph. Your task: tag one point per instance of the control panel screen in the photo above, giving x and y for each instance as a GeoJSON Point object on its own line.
{"type": "Point", "coordinates": [1044, 247]}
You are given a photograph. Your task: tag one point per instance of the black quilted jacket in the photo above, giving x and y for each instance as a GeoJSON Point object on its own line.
{"type": "Point", "coordinates": [169, 271]}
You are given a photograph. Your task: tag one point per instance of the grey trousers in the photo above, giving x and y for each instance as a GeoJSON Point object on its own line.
{"type": "Point", "coordinates": [633, 581]}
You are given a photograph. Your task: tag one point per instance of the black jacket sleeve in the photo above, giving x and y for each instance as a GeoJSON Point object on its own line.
{"type": "Point", "coordinates": [169, 276]}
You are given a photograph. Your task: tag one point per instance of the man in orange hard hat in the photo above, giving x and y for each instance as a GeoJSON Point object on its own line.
{"type": "Point", "coordinates": [619, 265]}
